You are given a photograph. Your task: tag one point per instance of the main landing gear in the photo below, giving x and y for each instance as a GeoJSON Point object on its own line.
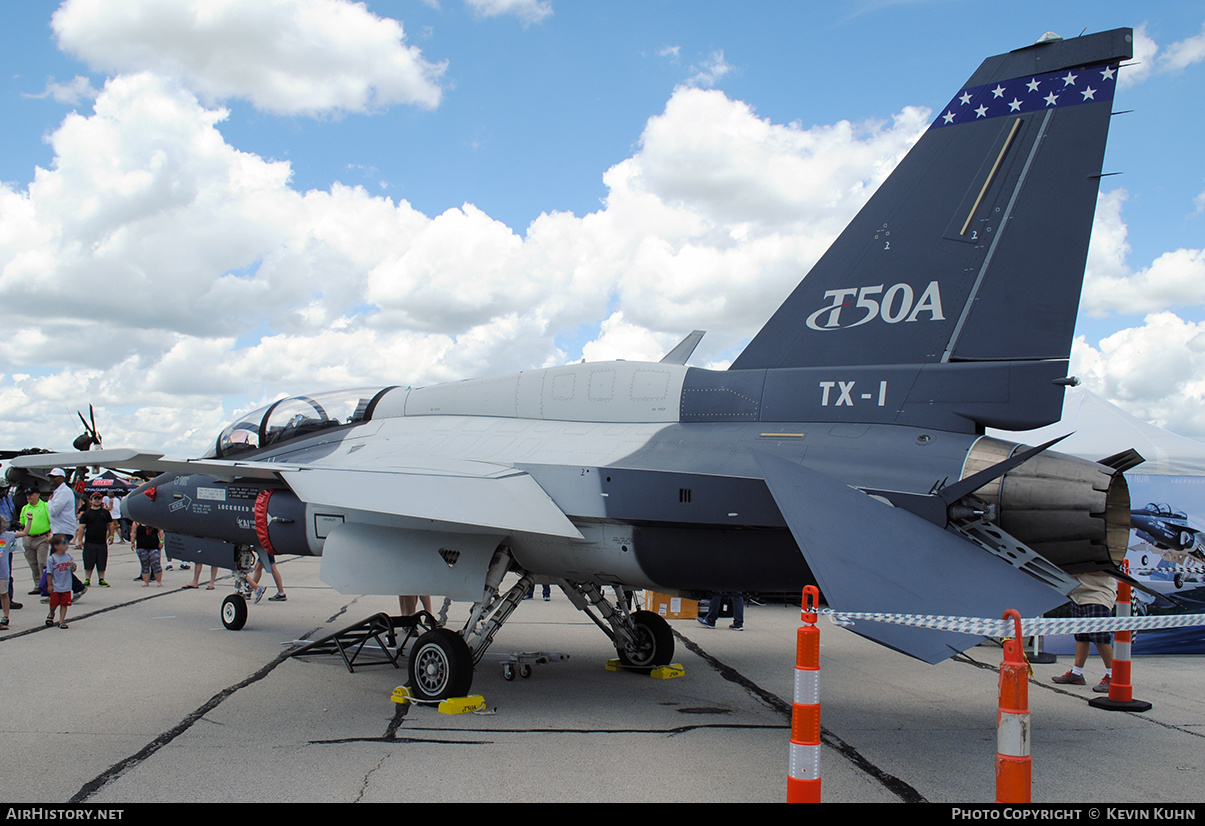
{"type": "Point", "coordinates": [441, 665]}
{"type": "Point", "coordinates": [642, 639]}
{"type": "Point", "coordinates": [441, 661]}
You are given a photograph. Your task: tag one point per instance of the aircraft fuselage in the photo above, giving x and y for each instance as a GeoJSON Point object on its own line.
{"type": "Point", "coordinates": [660, 501]}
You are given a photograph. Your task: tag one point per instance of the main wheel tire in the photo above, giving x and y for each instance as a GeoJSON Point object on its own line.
{"type": "Point", "coordinates": [654, 642]}
{"type": "Point", "coordinates": [441, 666]}
{"type": "Point", "coordinates": [234, 612]}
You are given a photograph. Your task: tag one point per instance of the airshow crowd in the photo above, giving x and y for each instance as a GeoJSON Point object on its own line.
{"type": "Point", "coordinates": [76, 526]}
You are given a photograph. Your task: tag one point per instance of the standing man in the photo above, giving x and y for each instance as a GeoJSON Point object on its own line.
{"type": "Point", "coordinates": [114, 505]}
{"type": "Point", "coordinates": [1094, 597]}
{"type": "Point", "coordinates": [63, 521]}
{"type": "Point", "coordinates": [94, 531]}
{"type": "Point", "coordinates": [6, 542]}
{"type": "Point", "coordinates": [35, 535]}
{"type": "Point", "coordinates": [713, 610]}
{"type": "Point", "coordinates": [7, 508]}
{"type": "Point", "coordinates": [62, 505]}
{"type": "Point", "coordinates": [267, 562]}
{"type": "Point", "coordinates": [9, 513]}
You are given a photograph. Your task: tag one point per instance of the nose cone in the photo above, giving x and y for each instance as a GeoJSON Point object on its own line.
{"type": "Point", "coordinates": [140, 506]}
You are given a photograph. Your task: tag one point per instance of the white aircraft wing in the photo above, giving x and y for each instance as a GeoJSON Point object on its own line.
{"type": "Point", "coordinates": [469, 494]}
{"type": "Point", "coordinates": [134, 459]}
{"type": "Point", "coordinates": [452, 494]}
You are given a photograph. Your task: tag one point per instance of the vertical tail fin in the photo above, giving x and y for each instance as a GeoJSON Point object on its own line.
{"type": "Point", "coordinates": [974, 248]}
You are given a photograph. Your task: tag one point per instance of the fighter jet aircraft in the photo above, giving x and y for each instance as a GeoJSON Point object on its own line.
{"type": "Point", "coordinates": [1165, 528]}
{"type": "Point", "coordinates": [843, 447]}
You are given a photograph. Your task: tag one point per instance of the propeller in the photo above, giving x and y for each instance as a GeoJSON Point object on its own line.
{"type": "Point", "coordinates": [90, 436]}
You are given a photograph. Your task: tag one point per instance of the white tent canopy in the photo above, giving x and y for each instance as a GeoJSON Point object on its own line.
{"type": "Point", "coordinates": [1101, 429]}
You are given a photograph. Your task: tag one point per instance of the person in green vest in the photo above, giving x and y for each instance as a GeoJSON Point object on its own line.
{"type": "Point", "coordinates": [35, 535]}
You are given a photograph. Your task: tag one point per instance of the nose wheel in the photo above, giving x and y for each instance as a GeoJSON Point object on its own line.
{"type": "Point", "coordinates": [234, 612]}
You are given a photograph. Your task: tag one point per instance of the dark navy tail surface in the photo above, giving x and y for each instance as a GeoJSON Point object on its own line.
{"type": "Point", "coordinates": [973, 250]}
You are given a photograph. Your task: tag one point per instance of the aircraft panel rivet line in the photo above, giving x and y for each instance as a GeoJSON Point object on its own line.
{"type": "Point", "coordinates": [803, 768]}
{"type": "Point", "coordinates": [1121, 690]}
{"type": "Point", "coordinates": [1014, 767]}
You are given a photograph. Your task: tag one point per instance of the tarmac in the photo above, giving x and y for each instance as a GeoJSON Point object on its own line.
{"type": "Point", "coordinates": [147, 698]}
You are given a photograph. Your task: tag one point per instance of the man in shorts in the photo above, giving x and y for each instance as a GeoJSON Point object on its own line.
{"type": "Point", "coordinates": [93, 536]}
{"type": "Point", "coordinates": [1094, 597]}
{"type": "Point", "coordinates": [267, 562]}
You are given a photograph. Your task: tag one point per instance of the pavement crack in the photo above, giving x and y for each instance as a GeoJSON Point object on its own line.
{"type": "Point", "coordinates": [341, 612]}
{"type": "Point", "coordinates": [966, 659]}
{"type": "Point", "coordinates": [672, 731]}
{"type": "Point", "coordinates": [368, 777]}
{"type": "Point", "coordinates": [121, 767]}
{"type": "Point", "coordinates": [338, 741]}
{"type": "Point", "coordinates": [399, 717]}
{"type": "Point", "coordinates": [900, 788]}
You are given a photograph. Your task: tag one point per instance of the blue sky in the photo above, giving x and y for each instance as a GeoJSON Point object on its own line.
{"type": "Point", "coordinates": [197, 215]}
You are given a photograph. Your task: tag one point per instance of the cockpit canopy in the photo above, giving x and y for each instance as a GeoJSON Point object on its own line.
{"type": "Point", "coordinates": [297, 416]}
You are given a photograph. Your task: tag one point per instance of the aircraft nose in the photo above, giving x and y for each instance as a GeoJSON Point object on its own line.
{"type": "Point", "coordinates": [140, 504]}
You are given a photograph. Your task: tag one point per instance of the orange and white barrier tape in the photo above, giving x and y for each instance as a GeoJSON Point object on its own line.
{"type": "Point", "coordinates": [803, 770]}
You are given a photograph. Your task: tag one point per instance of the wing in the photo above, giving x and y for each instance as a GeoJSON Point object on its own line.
{"type": "Point", "coordinates": [125, 458]}
{"type": "Point", "coordinates": [454, 495]}
{"type": "Point", "coordinates": [446, 493]}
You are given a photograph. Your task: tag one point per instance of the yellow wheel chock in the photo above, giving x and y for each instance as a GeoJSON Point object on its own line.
{"type": "Point", "coordinates": [661, 672]}
{"type": "Point", "coordinates": [452, 705]}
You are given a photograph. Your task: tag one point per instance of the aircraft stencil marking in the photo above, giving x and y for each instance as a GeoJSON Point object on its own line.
{"type": "Point", "coordinates": [844, 391]}
{"type": "Point", "coordinates": [886, 309]}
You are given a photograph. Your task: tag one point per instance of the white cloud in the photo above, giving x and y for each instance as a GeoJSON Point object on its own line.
{"type": "Point", "coordinates": [710, 71]}
{"type": "Point", "coordinates": [621, 340]}
{"type": "Point", "coordinates": [1143, 64]}
{"type": "Point", "coordinates": [1150, 59]}
{"type": "Point", "coordinates": [153, 267]}
{"type": "Point", "coordinates": [529, 11]}
{"type": "Point", "coordinates": [284, 56]}
{"type": "Point", "coordinates": [1154, 371]}
{"type": "Point", "coordinates": [1184, 53]}
{"type": "Point", "coordinates": [73, 92]}
{"type": "Point", "coordinates": [1175, 278]}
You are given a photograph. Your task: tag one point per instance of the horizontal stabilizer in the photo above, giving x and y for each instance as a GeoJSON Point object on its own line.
{"type": "Point", "coordinates": [869, 556]}
{"type": "Point", "coordinates": [497, 498]}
